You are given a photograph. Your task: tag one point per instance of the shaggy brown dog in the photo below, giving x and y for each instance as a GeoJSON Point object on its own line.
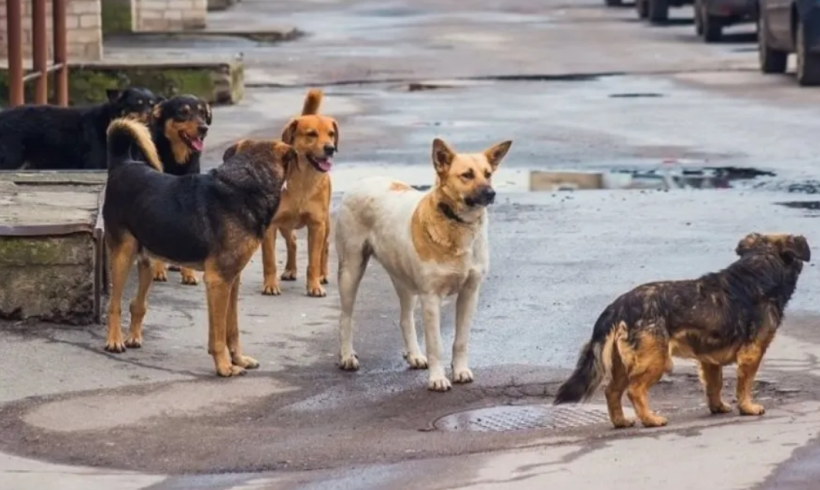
{"type": "Point", "coordinates": [211, 222]}
{"type": "Point", "coordinates": [722, 318]}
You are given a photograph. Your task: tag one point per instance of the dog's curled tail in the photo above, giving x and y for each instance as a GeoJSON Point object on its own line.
{"type": "Point", "coordinates": [594, 362]}
{"type": "Point", "coordinates": [130, 140]}
{"type": "Point", "coordinates": [313, 101]}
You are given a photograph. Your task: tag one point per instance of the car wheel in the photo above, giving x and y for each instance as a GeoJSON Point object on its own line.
{"type": "Point", "coordinates": [808, 63]}
{"type": "Point", "coordinates": [771, 60]}
{"type": "Point", "coordinates": [613, 3]}
{"type": "Point", "coordinates": [712, 28]}
{"type": "Point", "coordinates": [658, 11]}
{"type": "Point", "coordinates": [642, 6]}
{"type": "Point", "coordinates": [698, 17]}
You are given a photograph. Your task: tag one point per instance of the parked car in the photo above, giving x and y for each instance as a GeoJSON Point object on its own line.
{"type": "Point", "coordinates": [790, 26]}
{"type": "Point", "coordinates": [711, 16]}
{"type": "Point", "coordinates": [657, 11]}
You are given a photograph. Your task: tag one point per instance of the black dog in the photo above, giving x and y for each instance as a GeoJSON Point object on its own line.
{"type": "Point", "coordinates": [178, 128]}
{"type": "Point", "coordinates": [212, 222]}
{"type": "Point", "coordinates": [45, 137]}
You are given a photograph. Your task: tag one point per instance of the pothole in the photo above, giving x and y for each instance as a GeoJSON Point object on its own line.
{"type": "Point", "coordinates": [664, 178]}
{"type": "Point", "coordinates": [524, 417]}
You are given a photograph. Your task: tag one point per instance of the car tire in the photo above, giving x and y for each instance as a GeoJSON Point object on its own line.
{"type": "Point", "coordinates": [712, 28]}
{"type": "Point", "coordinates": [771, 60]}
{"type": "Point", "coordinates": [642, 7]}
{"type": "Point", "coordinates": [613, 3]}
{"type": "Point", "coordinates": [808, 64]}
{"type": "Point", "coordinates": [658, 11]}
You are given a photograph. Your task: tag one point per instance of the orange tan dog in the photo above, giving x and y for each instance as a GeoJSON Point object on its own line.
{"type": "Point", "coordinates": [306, 199]}
{"type": "Point", "coordinates": [431, 244]}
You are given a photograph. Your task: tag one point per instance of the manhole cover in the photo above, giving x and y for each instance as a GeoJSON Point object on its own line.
{"type": "Point", "coordinates": [523, 417]}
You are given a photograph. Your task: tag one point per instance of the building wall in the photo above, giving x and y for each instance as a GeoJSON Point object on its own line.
{"type": "Point", "coordinates": [168, 15]}
{"type": "Point", "coordinates": [83, 23]}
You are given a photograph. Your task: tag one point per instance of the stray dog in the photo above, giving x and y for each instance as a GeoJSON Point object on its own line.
{"type": "Point", "coordinates": [431, 244]}
{"type": "Point", "coordinates": [721, 318]}
{"type": "Point", "coordinates": [306, 199]}
{"type": "Point", "coordinates": [178, 127]}
{"type": "Point", "coordinates": [46, 137]}
{"type": "Point", "coordinates": [212, 222]}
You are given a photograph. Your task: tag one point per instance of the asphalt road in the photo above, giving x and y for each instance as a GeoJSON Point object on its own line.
{"type": "Point", "coordinates": [575, 86]}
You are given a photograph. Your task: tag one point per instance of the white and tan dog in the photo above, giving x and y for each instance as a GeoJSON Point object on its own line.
{"type": "Point", "coordinates": [433, 245]}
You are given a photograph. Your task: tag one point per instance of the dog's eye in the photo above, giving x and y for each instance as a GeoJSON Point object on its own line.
{"type": "Point", "coordinates": [331, 134]}
{"type": "Point", "coordinates": [488, 174]}
{"type": "Point", "coordinates": [140, 101]}
{"type": "Point", "coordinates": [468, 175]}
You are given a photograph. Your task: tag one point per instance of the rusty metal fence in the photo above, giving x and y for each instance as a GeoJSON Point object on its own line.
{"type": "Point", "coordinates": [39, 44]}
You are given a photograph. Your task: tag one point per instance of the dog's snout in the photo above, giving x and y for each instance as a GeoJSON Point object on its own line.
{"type": "Point", "coordinates": [329, 150]}
{"type": "Point", "coordinates": [488, 194]}
{"type": "Point", "coordinates": [202, 129]}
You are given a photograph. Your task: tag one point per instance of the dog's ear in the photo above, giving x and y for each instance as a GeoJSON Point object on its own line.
{"type": "Point", "coordinates": [443, 156]}
{"type": "Point", "coordinates": [113, 94]}
{"type": "Point", "coordinates": [289, 134]}
{"type": "Point", "coordinates": [336, 135]}
{"type": "Point", "coordinates": [231, 151]}
{"type": "Point", "coordinates": [748, 243]}
{"type": "Point", "coordinates": [797, 247]}
{"type": "Point", "coordinates": [286, 154]}
{"type": "Point", "coordinates": [208, 114]}
{"type": "Point", "coordinates": [497, 153]}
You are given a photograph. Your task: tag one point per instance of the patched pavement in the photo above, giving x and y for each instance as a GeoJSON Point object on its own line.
{"type": "Point", "coordinates": [74, 416]}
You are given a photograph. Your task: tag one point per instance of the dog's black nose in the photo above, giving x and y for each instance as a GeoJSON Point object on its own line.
{"type": "Point", "coordinates": [488, 195]}
{"type": "Point", "coordinates": [203, 130]}
{"type": "Point", "coordinates": [330, 150]}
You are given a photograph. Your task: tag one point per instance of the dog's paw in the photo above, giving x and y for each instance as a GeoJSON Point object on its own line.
{"type": "Point", "coordinates": [116, 346]}
{"type": "Point", "coordinates": [654, 421]}
{"type": "Point", "coordinates": [349, 362]}
{"type": "Point", "coordinates": [133, 342]}
{"type": "Point", "coordinates": [230, 370]}
{"type": "Point", "coordinates": [271, 289]}
{"type": "Point", "coordinates": [416, 361]}
{"type": "Point", "coordinates": [288, 275]}
{"type": "Point", "coordinates": [751, 409]}
{"type": "Point", "coordinates": [189, 280]}
{"type": "Point", "coordinates": [245, 362]}
{"type": "Point", "coordinates": [316, 291]}
{"type": "Point", "coordinates": [462, 375]}
{"type": "Point", "coordinates": [160, 275]}
{"type": "Point", "coordinates": [719, 409]}
{"type": "Point", "coordinates": [623, 423]}
{"type": "Point", "coordinates": [439, 383]}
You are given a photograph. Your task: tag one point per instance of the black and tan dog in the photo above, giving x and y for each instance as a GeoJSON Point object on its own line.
{"type": "Point", "coordinates": [212, 222]}
{"type": "Point", "coordinates": [721, 318]}
{"type": "Point", "coordinates": [46, 137]}
{"type": "Point", "coordinates": [178, 127]}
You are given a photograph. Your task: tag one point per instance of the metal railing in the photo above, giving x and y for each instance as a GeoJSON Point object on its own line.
{"type": "Point", "coordinates": [39, 46]}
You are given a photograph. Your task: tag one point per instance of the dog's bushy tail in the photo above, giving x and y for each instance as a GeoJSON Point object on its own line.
{"type": "Point", "coordinates": [592, 364]}
{"type": "Point", "coordinates": [313, 101]}
{"type": "Point", "coordinates": [130, 140]}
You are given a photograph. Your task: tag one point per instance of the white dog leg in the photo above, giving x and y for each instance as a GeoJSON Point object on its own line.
{"type": "Point", "coordinates": [412, 351]}
{"type": "Point", "coordinates": [465, 308]}
{"type": "Point", "coordinates": [351, 271]}
{"type": "Point", "coordinates": [431, 308]}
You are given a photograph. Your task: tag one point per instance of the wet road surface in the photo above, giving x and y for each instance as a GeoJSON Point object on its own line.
{"type": "Point", "coordinates": [653, 95]}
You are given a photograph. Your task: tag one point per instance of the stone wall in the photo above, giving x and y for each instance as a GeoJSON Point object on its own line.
{"type": "Point", "coordinates": [168, 15]}
{"type": "Point", "coordinates": [83, 23]}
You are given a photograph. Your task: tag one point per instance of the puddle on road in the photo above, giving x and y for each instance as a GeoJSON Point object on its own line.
{"type": "Point", "coordinates": [663, 178]}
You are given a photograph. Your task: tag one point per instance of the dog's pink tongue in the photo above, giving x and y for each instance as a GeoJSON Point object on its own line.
{"type": "Point", "coordinates": [198, 144]}
{"type": "Point", "coordinates": [326, 164]}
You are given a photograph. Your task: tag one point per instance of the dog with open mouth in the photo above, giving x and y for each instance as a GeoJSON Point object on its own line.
{"type": "Point", "coordinates": [306, 199]}
{"type": "Point", "coordinates": [178, 127]}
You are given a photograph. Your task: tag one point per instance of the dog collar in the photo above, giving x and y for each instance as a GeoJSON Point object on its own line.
{"type": "Point", "coordinates": [449, 213]}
